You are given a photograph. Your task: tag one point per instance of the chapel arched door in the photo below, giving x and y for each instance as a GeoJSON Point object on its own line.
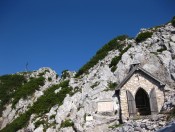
{"type": "Point", "coordinates": [142, 102]}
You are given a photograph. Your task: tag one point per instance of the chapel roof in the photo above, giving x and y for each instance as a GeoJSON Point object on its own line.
{"type": "Point", "coordinates": [138, 68]}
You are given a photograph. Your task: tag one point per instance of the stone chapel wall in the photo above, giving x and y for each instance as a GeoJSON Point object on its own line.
{"type": "Point", "coordinates": [133, 84]}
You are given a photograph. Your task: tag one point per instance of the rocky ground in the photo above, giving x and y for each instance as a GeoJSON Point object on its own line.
{"type": "Point", "coordinates": [156, 55]}
{"type": "Point", "coordinates": [150, 123]}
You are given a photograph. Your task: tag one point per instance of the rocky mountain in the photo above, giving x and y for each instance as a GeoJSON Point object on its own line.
{"type": "Point", "coordinates": [40, 100]}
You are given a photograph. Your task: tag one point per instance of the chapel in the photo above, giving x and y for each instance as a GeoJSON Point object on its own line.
{"type": "Point", "coordinates": [140, 93]}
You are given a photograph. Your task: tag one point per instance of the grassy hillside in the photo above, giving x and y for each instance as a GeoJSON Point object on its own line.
{"type": "Point", "coordinates": [8, 86]}
{"type": "Point", "coordinates": [42, 106]}
{"type": "Point", "coordinates": [102, 53]}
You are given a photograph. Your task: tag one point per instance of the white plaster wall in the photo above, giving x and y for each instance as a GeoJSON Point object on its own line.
{"type": "Point", "coordinates": [105, 106]}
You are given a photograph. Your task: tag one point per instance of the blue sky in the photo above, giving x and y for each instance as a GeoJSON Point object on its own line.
{"type": "Point", "coordinates": [66, 34]}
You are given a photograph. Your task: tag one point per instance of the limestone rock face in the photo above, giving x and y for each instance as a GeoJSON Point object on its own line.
{"type": "Point", "coordinates": [81, 109]}
{"type": "Point", "coordinates": [39, 129]}
{"type": "Point", "coordinates": [67, 129]}
{"type": "Point", "coordinates": [173, 38]}
{"type": "Point", "coordinates": [11, 113]}
{"type": "Point", "coordinates": [70, 105]}
{"type": "Point", "coordinates": [50, 130]}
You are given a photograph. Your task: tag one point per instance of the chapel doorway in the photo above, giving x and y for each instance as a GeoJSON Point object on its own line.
{"type": "Point", "coordinates": [142, 102]}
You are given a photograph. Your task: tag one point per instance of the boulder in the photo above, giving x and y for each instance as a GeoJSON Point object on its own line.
{"type": "Point", "coordinates": [173, 38]}
{"type": "Point", "coordinates": [39, 129]}
{"type": "Point", "coordinates": [138, 129]}
{"type": "Point", "coordinates": [67, 129]}
{"type": "Point", "coordinates": [50, 130]}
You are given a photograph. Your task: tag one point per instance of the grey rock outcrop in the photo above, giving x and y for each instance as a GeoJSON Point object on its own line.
{"type": "Point", "coordinates": [10, 113]}
{"type": "Point", "coordinates": [155, 54]}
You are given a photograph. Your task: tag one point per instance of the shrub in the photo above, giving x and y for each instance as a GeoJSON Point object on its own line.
{"type": "Point", "coordinates": [113, 69]}
{"type": "Point", "coordinates": [173, 21]}
{"type": "Point", "coordinates": [111, 86]}
{"type": "Point", "coordinates": [52, 116]}
{"type": "Point", "coordinates": [75, 90]}
{"type": "Point", "coordinates": [155, 53]}
{"type": "Point", "coordinates": [41, 74]}
{"type": "Point", "coordinates": [46, 71]}
{"type": "Point", "coordinates": [57, 76]}
{"type": "Point", "coordinates": [122, 37]}
{"type": "Point", "coordinates": [27, 89]}
{"type": "Point", "coordinates": [95, 85]}
{"type": "Point", "coordinates": [41, 106]}
{"type": "Point", "coordinates": [38, 123]}
{"type": "Point", "coordinates": [49, 79]}
{"type": "Point", "coordinates": [18, 123]}
{"type": "Point", "coordinates": [101, 54]}
{"type": "Point", "coordinates": [67, 123]}
{"type": "Point", "coordinates": [162, 49]}
{"type": "Point", "coordinates": [115, 126]}
{"type": "Point", "coordinates": [49, 99]}
{"type": "Point", "coordinates": [65, 74]}
{"type": "Point", "coordinates": [171, 114]}
{"type": "Point", "coordinates": [143, 36]}
{"type": "Point", "coordinates": [8, 85]}
{"type": "Point", "coordinates": [116, 59]}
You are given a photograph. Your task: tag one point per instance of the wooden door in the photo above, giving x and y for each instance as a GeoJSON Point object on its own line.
{"type": "Point", "coordinates": [131, 104]}
{"type": "Point", "coordinates": [153, 102]}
